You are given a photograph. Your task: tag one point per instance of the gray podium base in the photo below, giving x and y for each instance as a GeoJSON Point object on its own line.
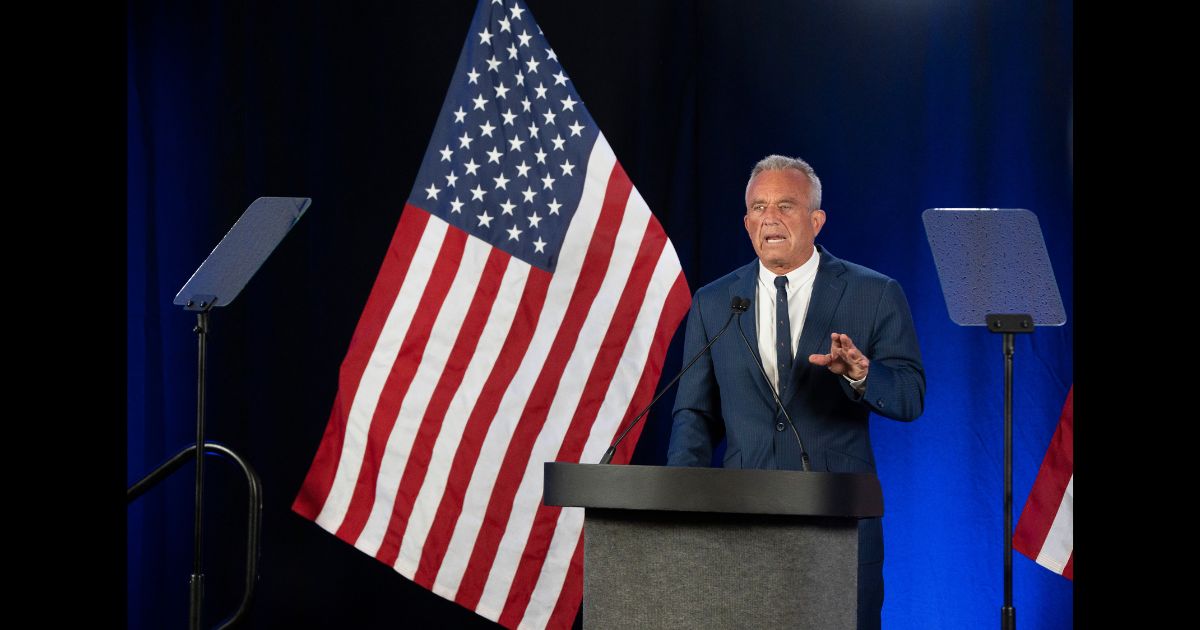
{"type": "Point", "coordinates": [647, 569]}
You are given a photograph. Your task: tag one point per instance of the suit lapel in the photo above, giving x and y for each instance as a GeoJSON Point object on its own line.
{"type": "Point", "coordinates": [826, 295]}
{"type": "Point", "coordinates": [746, 286]}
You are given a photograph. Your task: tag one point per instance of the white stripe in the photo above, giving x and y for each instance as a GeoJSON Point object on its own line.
{"type": "Point", "coordinates": [491, 340]}
{"type": "Point", "coordinates": [570, 389]}
{"type": "Point", "coordinates": [554, 572]}
{"type": "Point", "coordinates": [442, 337]}
{"type": "Point", "coordinates": [379, 366]}
{"type": "Point", "coordinates": [562, 286]}
{"type": "Point", "coordinates": [1060, 540]}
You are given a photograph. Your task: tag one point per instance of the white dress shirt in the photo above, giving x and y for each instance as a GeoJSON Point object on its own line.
{"type": "Point", "coordinates": [799, 294]}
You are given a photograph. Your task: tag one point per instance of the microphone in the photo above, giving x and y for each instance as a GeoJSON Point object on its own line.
{"type": "Point", "coordinates": [804, 464]}
{"type": "Point", "coordinates": [737, 306]}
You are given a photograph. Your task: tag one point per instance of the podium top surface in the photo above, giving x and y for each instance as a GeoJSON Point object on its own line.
{"type": "Point", "coordinates": [736, 491]}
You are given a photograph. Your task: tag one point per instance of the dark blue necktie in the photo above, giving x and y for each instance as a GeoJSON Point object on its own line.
{"type": "Point", "coordinates": [783, 334]}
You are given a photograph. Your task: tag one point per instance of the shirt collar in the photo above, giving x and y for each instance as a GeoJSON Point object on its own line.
{"type": "Point", "coordinates": [798, 277]}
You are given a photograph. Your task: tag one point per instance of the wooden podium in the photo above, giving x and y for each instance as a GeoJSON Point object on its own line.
{"type": "Point", "coordinates": [670, 547]}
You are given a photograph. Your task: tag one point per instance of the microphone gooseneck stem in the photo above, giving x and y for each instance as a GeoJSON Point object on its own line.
{"type": "Point", "coordinates": [736, 308]}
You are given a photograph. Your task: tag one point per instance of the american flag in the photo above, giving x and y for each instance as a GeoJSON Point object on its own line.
{"type": "Point", "coordinates": [521, 315]}
{"type": "Point", "coordinates": [1045, 531]}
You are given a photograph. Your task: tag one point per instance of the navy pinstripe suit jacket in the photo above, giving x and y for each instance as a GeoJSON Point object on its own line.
{"type": "Point", "coordinates": [725, 396]}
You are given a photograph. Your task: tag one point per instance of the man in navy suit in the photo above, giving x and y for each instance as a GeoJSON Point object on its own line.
{"type": "Point", "coordinates": [836, 341]}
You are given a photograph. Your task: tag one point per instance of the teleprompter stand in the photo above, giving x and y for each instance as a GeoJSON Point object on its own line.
{"type": "Point", "coordinates": [995, 272]}
{"type": "Point", "coordinates": [218, 280]}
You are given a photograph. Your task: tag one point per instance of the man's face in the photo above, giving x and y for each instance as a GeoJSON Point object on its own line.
{"type": "Point", "coordinates": [781, 227]}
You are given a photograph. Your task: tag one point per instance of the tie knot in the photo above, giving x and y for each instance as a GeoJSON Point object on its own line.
{"type": "Point", "coordinates": [780, 282]}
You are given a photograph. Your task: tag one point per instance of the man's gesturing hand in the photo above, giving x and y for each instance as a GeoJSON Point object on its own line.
{"type": "Point", "coordinates": [843, 358]}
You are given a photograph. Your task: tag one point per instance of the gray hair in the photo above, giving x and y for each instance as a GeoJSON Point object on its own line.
{"type": "Point", "coordinates": [782, 162]}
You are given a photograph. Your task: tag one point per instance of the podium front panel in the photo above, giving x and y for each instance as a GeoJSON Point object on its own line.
{"type": "Point", "coordinates": [655, 569]}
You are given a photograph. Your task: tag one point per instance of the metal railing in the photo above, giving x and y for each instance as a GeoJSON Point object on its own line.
{"type": "Point", "coordinates": [253, 517]}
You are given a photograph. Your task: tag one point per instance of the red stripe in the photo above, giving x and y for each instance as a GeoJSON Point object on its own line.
{"type": "Point", "coordinates": [530, 567]}
{"type": "Point", "coordinates": [431, 424]}
{"type": "Point", "coordinates": [1049, 487]}
{"type": "Point", "coordinates": [541, 534]}
{"type": "Point", "coordinates": [594, 391]}
{"type": "Point", "coordinates": [515, 345]}
{"type": "Point", "coordinates": [319, 479]}
{"type": "Point", "coordinates": [533, 416]}
{"type": "Point", "coordinates": [1069, 570]}
{"type": "Point", "coordinates": [679, 300]}
{"type": "Point", "coordinates": [408, 359]}
{"type": "Point", "coordinates": [567, 607]}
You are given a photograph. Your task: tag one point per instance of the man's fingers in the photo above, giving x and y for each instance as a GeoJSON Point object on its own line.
{"type": "Point", "coordinates": [841, 351]}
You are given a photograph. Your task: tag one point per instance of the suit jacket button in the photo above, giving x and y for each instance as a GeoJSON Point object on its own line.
{"type": "Point", "coordinates": [879, 403]}
{"type": "Point", "coordinates": [778, 426]}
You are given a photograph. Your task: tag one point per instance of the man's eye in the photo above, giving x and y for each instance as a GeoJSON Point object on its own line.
{"type": "Point", "coordinates": [785, 207]}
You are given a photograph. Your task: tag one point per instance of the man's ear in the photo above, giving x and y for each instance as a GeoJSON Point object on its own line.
{"type": "Point", "coordinates": [818, 220]}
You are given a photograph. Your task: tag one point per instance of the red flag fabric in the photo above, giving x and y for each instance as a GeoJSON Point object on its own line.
{"type": "Point", "coordinates": [521, 315]}
{"type": "Point", "coordinates": [1044, 532]}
